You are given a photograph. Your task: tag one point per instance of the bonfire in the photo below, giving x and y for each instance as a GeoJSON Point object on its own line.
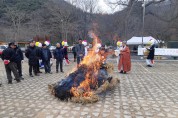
{"type": "Point", "coordinates": [84, 83]}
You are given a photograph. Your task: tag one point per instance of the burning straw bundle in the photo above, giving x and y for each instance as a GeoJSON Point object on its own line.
{"type": "Point", "coordinates": [84, 84]}
{"type": "Point", "coordinates": [91, 78]}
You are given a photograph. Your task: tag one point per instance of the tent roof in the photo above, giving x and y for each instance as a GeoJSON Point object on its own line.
{"type": "Point", "coordinates": [138, 40]}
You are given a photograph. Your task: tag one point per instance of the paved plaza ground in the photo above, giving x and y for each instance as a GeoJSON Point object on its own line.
{"type": "Point", "coordinates": [143, 93]}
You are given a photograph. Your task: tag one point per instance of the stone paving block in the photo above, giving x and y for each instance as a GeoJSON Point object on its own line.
{"type": "Point", "coordinates": [143, 93]}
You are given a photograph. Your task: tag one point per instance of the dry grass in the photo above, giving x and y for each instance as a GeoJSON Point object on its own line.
{"type": "Point", "coordinates": [94, 97]}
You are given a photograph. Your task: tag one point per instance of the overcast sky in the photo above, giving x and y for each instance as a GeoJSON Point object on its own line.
{"type": "Point", "coordinates": [104, 7]}
{"type": "Point", "coordinates": [108, 8]}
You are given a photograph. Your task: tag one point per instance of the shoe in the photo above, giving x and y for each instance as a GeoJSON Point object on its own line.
{"type": "Point", "coordinates": [31, 76]}
{"type": "Point", "coordinates": [18, 80]}
{"type": "Point", "coordinates": [121, 71]}
{"type": "Point", "coordinates": [37, 74]}
{"type": "Point", "coordinates": [10, 82]}
{"type": "Point", "coordinates": [149, 66]}
{"type": "Point", "coordinates": [50, 73]}
{"type": "Point", "coordinates": [40, 72]}
{"type": "Point", "coordinates": [124, 72]}
{"type": "Point", "coordinates": [21, 78]}
{"type": "Point", "coordinates": [56, 71]}
{"type": "Point", "coordinates": [46, 72]}
{"type": "Point", "coordinates": [62, 71]}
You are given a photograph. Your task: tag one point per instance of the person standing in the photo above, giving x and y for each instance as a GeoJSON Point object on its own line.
{"type": "Point", "coordinates": [117, 51]}
{"type": "Point", "coordinates": [46, 56]}
{"type": "Point", "coordinates": [19, 59]}
{"type": "Point", "coordinates": [8, 56]}
{"type": "Point", "coordinates": [39, 53]}
{"type": "Point", "coordinates": [59, 56]}
{"type": "Point", "coordinates": [80, 50]}
{"type": "Point", "coordinates": [65, 49]}
{"type": "Point", "coordinates": [32, 55]}
{"type": "Point", "coordinates": [74, 52]}
{"type": "Point", "coordinates": [150, 57]}
{"type": "Point", "coordinates": [86, 47]}
{"type": "Point", "coordinates": [124, 62]}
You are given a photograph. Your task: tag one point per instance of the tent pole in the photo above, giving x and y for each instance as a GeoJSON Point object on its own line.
{"type": "Point", "coordinates": [143, 5]}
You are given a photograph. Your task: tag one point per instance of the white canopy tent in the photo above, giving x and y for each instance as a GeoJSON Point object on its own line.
{"type": "Point", "coordinates": [138, 40]}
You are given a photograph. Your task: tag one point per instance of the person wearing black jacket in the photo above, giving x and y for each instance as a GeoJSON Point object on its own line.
{"type": "Point", "coordinates": [74, 53]}
{"type": "Point", "coordinates": [65, 50]}
{"type": "Point", "coordinates": [39, 52]}
{"type": "Point", "coordinates": [59, 56]}
{"type": "Point", "coordinates": [8, 56]}
{"type": "Point", "coordinates": [46, 56]}
{"type": "Point", "coordinates": [32, 54]}
{"type": "Point", "coordinates": [19, 59]}
{"type": "Point", "coordinates": [150, 56]}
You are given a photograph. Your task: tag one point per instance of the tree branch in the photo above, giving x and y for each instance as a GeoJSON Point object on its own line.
{"type": "Point", "coordinates": [162, 19]}
{"type": "Point", "coordinates": [154, 2]}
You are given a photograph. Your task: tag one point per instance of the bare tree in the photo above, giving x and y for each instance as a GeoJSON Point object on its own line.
{"type": "Point", "coordinates": [16, 18]}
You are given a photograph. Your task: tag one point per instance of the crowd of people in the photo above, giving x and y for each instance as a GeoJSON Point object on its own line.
{"type": "Point", "coordinates": [13, 58]}
{"type": "Point", "coordinates": [124, 60]}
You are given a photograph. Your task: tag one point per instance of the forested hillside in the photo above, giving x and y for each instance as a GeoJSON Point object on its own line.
{"type": "Point", "coordinates": [22, 20]}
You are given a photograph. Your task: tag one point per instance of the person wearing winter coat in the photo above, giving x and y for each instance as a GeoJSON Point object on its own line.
{"type": "Point", "coordinates": [65, 50]}
{"type": "Point", "coordinates": [74, 52]}
{"type": "Point", "coordinates": [150, 57]}
{"type": "Point", "coordinates": [33, 56]}
{"type": "Point", "coordinates": [59, 56]}
{"type": "Point", "coordinates": [80, 50]}
{"type": "Point", "coordinates": [19, 59]}
{"type": "Point", "coordinates": [46, 56]}
{"type": "Point", "coordinates": [8, 56]}
{"type": "Point", "coordinates": [39, 52]}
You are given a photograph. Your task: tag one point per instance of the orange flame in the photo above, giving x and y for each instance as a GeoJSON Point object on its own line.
{"type": "Point", "coordinates": [93, 62]}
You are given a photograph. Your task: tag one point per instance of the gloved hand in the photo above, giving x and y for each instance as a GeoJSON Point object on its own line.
{"type": "Point", "coordinates": [6, 62]}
